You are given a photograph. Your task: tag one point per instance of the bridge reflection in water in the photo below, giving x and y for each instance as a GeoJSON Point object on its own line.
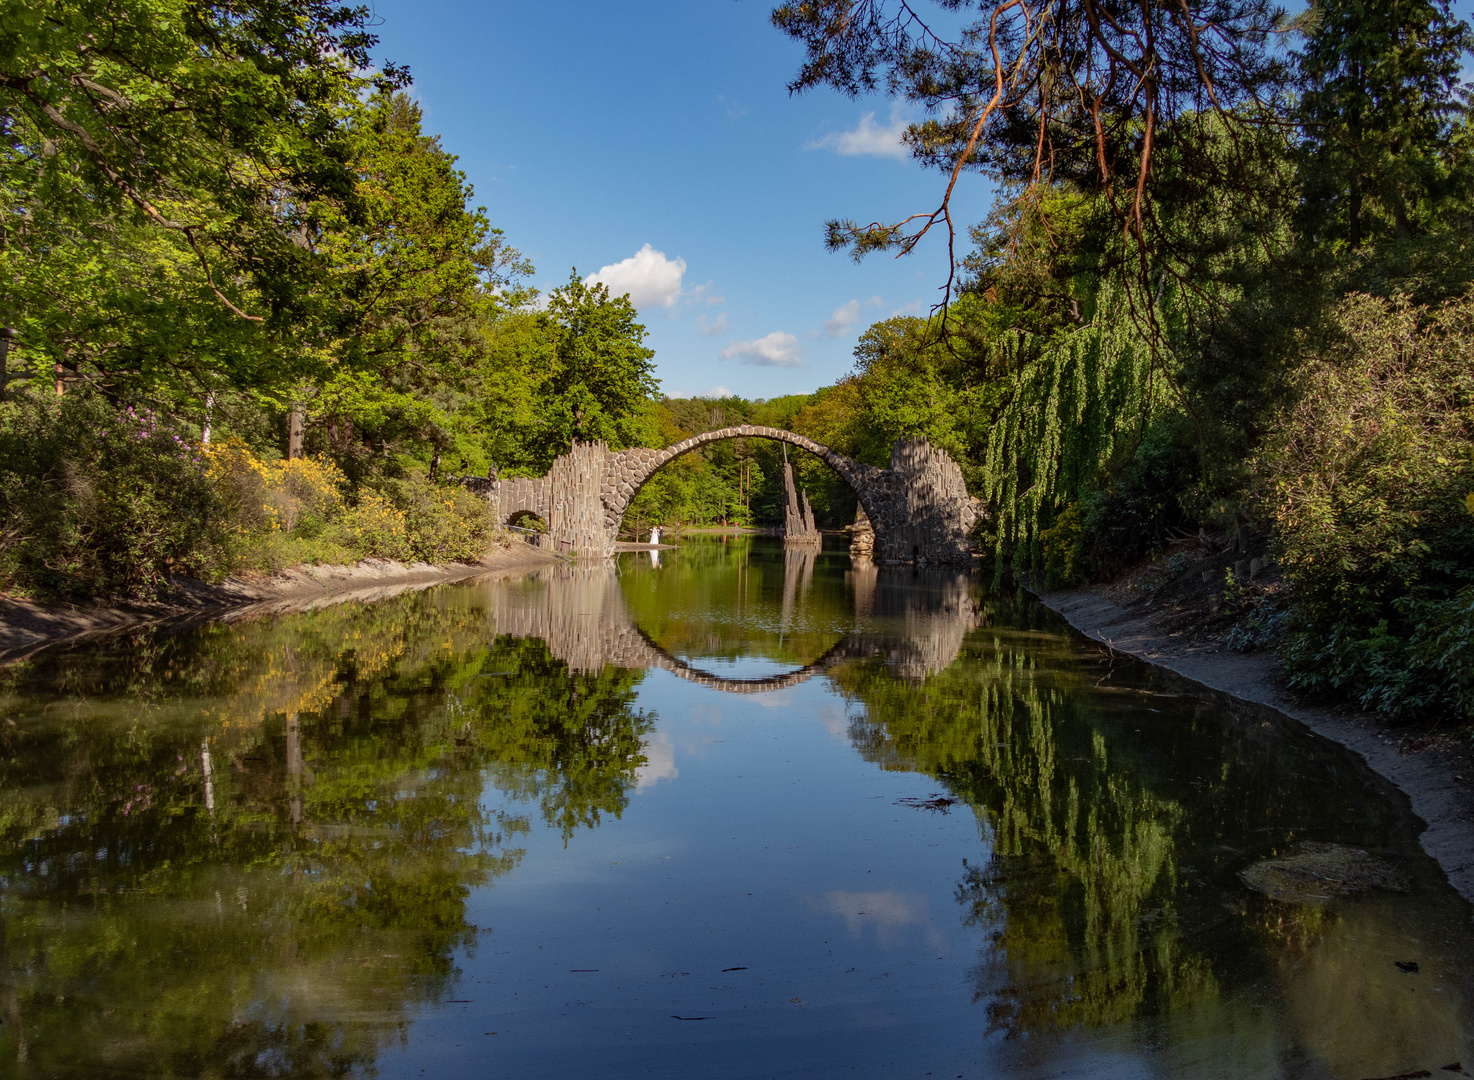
{"type": "Point", "coordinates": [581, 613]}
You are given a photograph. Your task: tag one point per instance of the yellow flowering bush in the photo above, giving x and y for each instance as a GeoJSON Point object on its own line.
{"type": "Point", "coordinates": [269, 496]}
{"type": "Point", "coordinates": [241, 481]}
{"type": "Point", "coordinates": [375, 528]}
{"type": "Point", "coordinates": [442, 524]}
{"type": "Point", "coordinates": [306, 490]}
{"type": "Point", "coordinates": [302, 510]}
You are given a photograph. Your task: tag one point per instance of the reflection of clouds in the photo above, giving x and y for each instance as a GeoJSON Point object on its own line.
{"type": "Point", "coordinates": [836, 721]}
{"type": "Point", "coordinates": [708, 713]}
{"type": "Point", "coordinates": [775, 699]}
{"type": "Point", "coordinates": [660, 761]}
{"type": "Point", "coordinates": [887, 912]}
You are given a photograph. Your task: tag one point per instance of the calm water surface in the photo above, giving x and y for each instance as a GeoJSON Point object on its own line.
{"type": "Point", "coordinates": [738, 814]}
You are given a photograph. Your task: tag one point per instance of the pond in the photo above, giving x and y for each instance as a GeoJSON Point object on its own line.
{"type": "Point", "coordinates": [721, 811]}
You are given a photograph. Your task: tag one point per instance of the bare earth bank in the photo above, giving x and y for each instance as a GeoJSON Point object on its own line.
{"type": "Point", "coordinates": [25, 626]}
{"type": "Point", "coordinates": [1432, 771]}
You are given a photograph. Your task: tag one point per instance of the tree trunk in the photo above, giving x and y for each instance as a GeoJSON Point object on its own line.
{"type": "Point", "coordinates": [208, 770]}
{"type": "Point", "coordinates": [209, 412]}
{"type": "Point", "coordinates": [294, 767]}
{"type": "Point", "coordinates": [1355, 195]}
{"type": "Point", "coordinates": [296, 423]}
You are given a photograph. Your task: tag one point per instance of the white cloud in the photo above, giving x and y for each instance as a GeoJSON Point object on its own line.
{"type": "Point", "coordinates": [844, 317]}
{"type": "Point", "coordinates": [713, 328]}
{"type": "Point", "coordinates": [702, 296]}
{"type": "Point", "coordinates": [735, 110]}
{"type": "Point", "coordinates": [776, 350]}
{"type": "Point", "coordinates": [650, 279]}
{"type": "Point", "coordinates": [913, 308]}
{"type": "Point", "coordinates": [869, 139]}
{"type": "Point", "coordinates": [874, 301]}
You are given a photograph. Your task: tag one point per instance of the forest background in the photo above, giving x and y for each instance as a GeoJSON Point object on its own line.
{"type": "Point", "coordinates": [251, 316]}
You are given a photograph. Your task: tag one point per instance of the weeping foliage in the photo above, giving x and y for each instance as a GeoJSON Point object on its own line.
{"type": "Point", "coordinates": [1076, 401]}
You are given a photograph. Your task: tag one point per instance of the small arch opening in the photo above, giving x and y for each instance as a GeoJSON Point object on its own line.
{"type": "Point", "coordinates": [525, 521]}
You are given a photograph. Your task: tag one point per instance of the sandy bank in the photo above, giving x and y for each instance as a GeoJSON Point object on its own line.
{"type": "Point", "coordinates": [1432, 771]}
{"type": "Point", "coordinates": [25, 626]}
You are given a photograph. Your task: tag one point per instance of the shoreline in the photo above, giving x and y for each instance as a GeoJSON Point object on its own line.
{"type": "Point", "coordinates": [26, 627]}
{"type": "Point", "coordinates": [1430, 771]}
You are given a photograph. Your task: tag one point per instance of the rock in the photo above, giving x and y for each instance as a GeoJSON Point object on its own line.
{"type": "Point", "coordinates": [1315, 874]}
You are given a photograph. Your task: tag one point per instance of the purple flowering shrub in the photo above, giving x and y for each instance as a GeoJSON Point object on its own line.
{"type": "Point", "coordinates": [102, 501]}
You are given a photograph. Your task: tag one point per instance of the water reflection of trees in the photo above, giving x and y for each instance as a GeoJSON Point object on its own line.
{"type": "Point", "coordinates": [247, 850]}
{"type": "Point", "coordinates": [1117, 815]}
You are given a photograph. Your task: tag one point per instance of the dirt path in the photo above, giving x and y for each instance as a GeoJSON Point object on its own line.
{"type": "Point", "coordinates": [1434, 772]}
{"type": "Point", "coordinates": [25, 627]}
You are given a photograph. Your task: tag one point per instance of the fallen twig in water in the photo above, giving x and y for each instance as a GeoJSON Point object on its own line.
{"type": "Point", "coordinates": [936, 803]}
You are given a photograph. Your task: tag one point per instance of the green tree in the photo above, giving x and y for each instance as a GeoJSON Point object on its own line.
{"type": "Point", "coordinates": [157, 155]}
{"type": "Point", "coordinates": [419, 274]}
{"type": "Point", "coordinates": [1061, 90]}
{"type": "Point", "coordinates": [1381, 102]}
{"type": "Point", "coordinates": [601, 375]}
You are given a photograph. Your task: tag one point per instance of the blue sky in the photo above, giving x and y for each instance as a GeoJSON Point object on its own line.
{"type": "Point", "coordinates": [593, 130]}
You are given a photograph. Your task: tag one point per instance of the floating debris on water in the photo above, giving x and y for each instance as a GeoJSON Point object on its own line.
{"type": "Point", "coordinates": [937, 802]}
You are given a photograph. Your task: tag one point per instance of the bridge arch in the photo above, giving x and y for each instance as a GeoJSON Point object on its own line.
{"type": "Point", "coordinates": [919, 507]}
{"type": "Point", "coordinates": [630, 470]}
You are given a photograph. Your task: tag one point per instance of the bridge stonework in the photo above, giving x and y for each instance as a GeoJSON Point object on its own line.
{"type": "Point", "coordinates": [919, 507]}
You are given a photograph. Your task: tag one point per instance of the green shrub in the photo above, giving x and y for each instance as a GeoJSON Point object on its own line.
{"type": "Point", "coordinates": [1063, 544]}
{"type": "Point", "coordinates": [99, 501]}
{"type": "Point", "coordinates": [1368, 480]}
{"type": "Point", "coordinates": [296, 511]}
{"type": "Point", "coordinates": [1444, 643]}
{"type": "Point", "coordinates": [374, 528]}
{"type": "Point", "coordinates": [441, 523]}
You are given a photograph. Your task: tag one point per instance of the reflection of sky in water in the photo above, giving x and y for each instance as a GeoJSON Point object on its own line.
{"type": "Point", "coordinates": [452, 836]}
{"type": "Point", "coordinates": [741, 667]}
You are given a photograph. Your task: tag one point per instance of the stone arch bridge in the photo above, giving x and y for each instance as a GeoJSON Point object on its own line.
{"type": "Point", "coordinates": [919, 507]}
